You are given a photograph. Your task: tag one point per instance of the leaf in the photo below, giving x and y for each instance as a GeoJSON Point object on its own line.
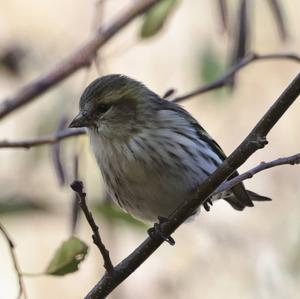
{"type": "Point", "coordinates": [112, 213]}
{"type": "Point", "coordinates": [67, 257]}
{"type": "Point", "coordinates": [211, 66]}
{"type": "Point", "coordinates": [156, 17]}
{"type": "Point", "coordinates": [20, 205]}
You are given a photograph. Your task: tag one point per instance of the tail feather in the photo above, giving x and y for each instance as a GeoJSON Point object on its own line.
{"type": "Point", "coordinates": [234, 202]}
{"type": "Point", "coordinates": [240, 198]}
{"type": "Point", "coordinates": [256, 197]}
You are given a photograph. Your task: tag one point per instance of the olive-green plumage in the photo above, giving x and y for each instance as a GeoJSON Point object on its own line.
{"type": "Point", "coordinates": [152, 153]}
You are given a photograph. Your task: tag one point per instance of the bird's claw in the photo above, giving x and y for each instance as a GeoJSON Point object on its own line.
{"type": "Point", "coordinates": [156, 230]}
{"type": "Point", "coordinates": [207, 205]}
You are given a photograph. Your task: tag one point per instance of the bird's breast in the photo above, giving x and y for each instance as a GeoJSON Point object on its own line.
{"type": "Point", "coordinates": [150, 175]}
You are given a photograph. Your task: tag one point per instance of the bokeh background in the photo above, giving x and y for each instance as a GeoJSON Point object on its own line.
{"type": "Point", "coordinates": [221, 254]}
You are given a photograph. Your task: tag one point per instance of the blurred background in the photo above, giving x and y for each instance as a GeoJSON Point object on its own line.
{"type": "Point", "coordinates": [221, 254]}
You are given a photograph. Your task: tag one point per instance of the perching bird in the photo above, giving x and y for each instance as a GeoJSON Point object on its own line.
{"type": "Point", "coordinates": [151, 152]}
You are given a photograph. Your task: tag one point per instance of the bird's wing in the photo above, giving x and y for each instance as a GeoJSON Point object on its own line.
{"type": "Point", "coordinates": [241, 197]}
{"type": "Point", "coordinates": [203, 135]}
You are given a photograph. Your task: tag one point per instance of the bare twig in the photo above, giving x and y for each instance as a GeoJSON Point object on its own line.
{"type": "Point", "coordinates": [242, 36]}
{"type": "Point", "coordinates": [80, 58]}
{"type": "Point", "coordinates": [49, 139]}
{"type": "Point", "coordinates": [225, 79]}
{"type": "Point", "coordinates": [254, 141]}
{"type": "Point", "coordinates": [77, 186]}
{"type": "Point", "coordinates": [75, 212]}
{"type": "Point", "coordinates": [169, 93]}
{"type": "Point", "coordinates": [11, 244]}
{"type": "Point", "coordinates": [223, 13]}
{"type": "Point", "coordinates": [276, 9]}
{"type": "Point", "coordinates": [56, 153]}
{"type": "Point", "coordinates": [291, 160]}
{"type": "Point", "coordinates": [98, 21]}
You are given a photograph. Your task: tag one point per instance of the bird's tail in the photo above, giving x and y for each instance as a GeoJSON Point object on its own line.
{"type": "Point", "coordinates": [240, 198]}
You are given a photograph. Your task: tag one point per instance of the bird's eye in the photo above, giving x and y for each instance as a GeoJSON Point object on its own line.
{"type": "Point", "coordinates": [102, 108]}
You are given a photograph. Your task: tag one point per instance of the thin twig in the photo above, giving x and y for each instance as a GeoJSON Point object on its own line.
{"type": "Point", "coordinates": [254, 141]}
{"type": "Point", "coordinates": [242, 37]}
{"type": "Point", "coordinates": [48, 139]}
{"type": "Point", "coordinates": [225, 79]}
{"type": "Point", "coordinates": [291, 160]}
{"type": "Point", "coordinates": [98, 21]}
{"type": "Point", "coordinates": [56, 153]}
{"type": "Point", "coordinates": [75, 212]}
{"type": "Point", "coordinates": [169, 93]}
{"type": "Point", "coordinates": [280, 20]}
{"type": "Point", "coordinates": [82, 57]}
{"type": "Point", "coordinates": [77, 186]}
{"type": "Point", "coordinates": [223, 14]}
{"type": "Point", "coordinates": [22, 289]}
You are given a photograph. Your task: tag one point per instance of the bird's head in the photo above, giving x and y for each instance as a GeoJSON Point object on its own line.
{"type": "Point", "coordinates": [114, 105]}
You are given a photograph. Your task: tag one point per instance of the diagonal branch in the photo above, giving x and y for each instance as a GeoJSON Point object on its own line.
{"type": "Point", "coordinates": [254, 141]}
{"type": "Point", "coordinates": [225, 79]}
{"type": "Point", "coordinates": [80, 58]}
{"type": "Point", "coordinates": [279, 17]}
{"type": "Point", "coordinates": [291, 160]}
{"type": "Point", "coordinates": [77, 186]}
{"type": "Point", "coordinates": [15, 262]}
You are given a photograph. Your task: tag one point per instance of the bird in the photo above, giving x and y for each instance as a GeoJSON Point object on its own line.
{"type": "Point", "coordinates": [151, 152]}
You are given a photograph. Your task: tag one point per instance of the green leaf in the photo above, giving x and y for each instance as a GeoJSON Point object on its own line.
{"type": "Point", "coordinates": [14, 205]}
{"type": "Point", "coordinates": [156, 17]}
{"type": "Point", "coordinates": [112, 213]}
{"type": "Point", "coordinates": [67, 257]}
{"type": "Point", "coordinates": [211, 65]}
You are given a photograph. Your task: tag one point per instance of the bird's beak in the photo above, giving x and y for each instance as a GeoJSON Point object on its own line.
{"type": "Point", "coordinates": [79, 121]}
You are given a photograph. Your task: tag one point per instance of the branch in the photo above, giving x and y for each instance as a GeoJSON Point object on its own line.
{"type": "Point", "coordinates": [254, 141]}
{"type": "Point", "coordinates": [291, 160]}
{"type": "Point", "coordinates": [15, 262]}
{"type": "Point", "coordinates": [48, 139]}
{"type": "Point", "coordinates": [225, 79]}
{"type": "Point", "coordinates": [77, 186]}
{"type": "Point", "coordinates": [80, 58]}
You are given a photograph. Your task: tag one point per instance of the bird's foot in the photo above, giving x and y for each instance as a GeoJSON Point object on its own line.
{"type": "Point", "coordinates": [156, 230]}
{"type": "Point", "coordinates": [207, 205]}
